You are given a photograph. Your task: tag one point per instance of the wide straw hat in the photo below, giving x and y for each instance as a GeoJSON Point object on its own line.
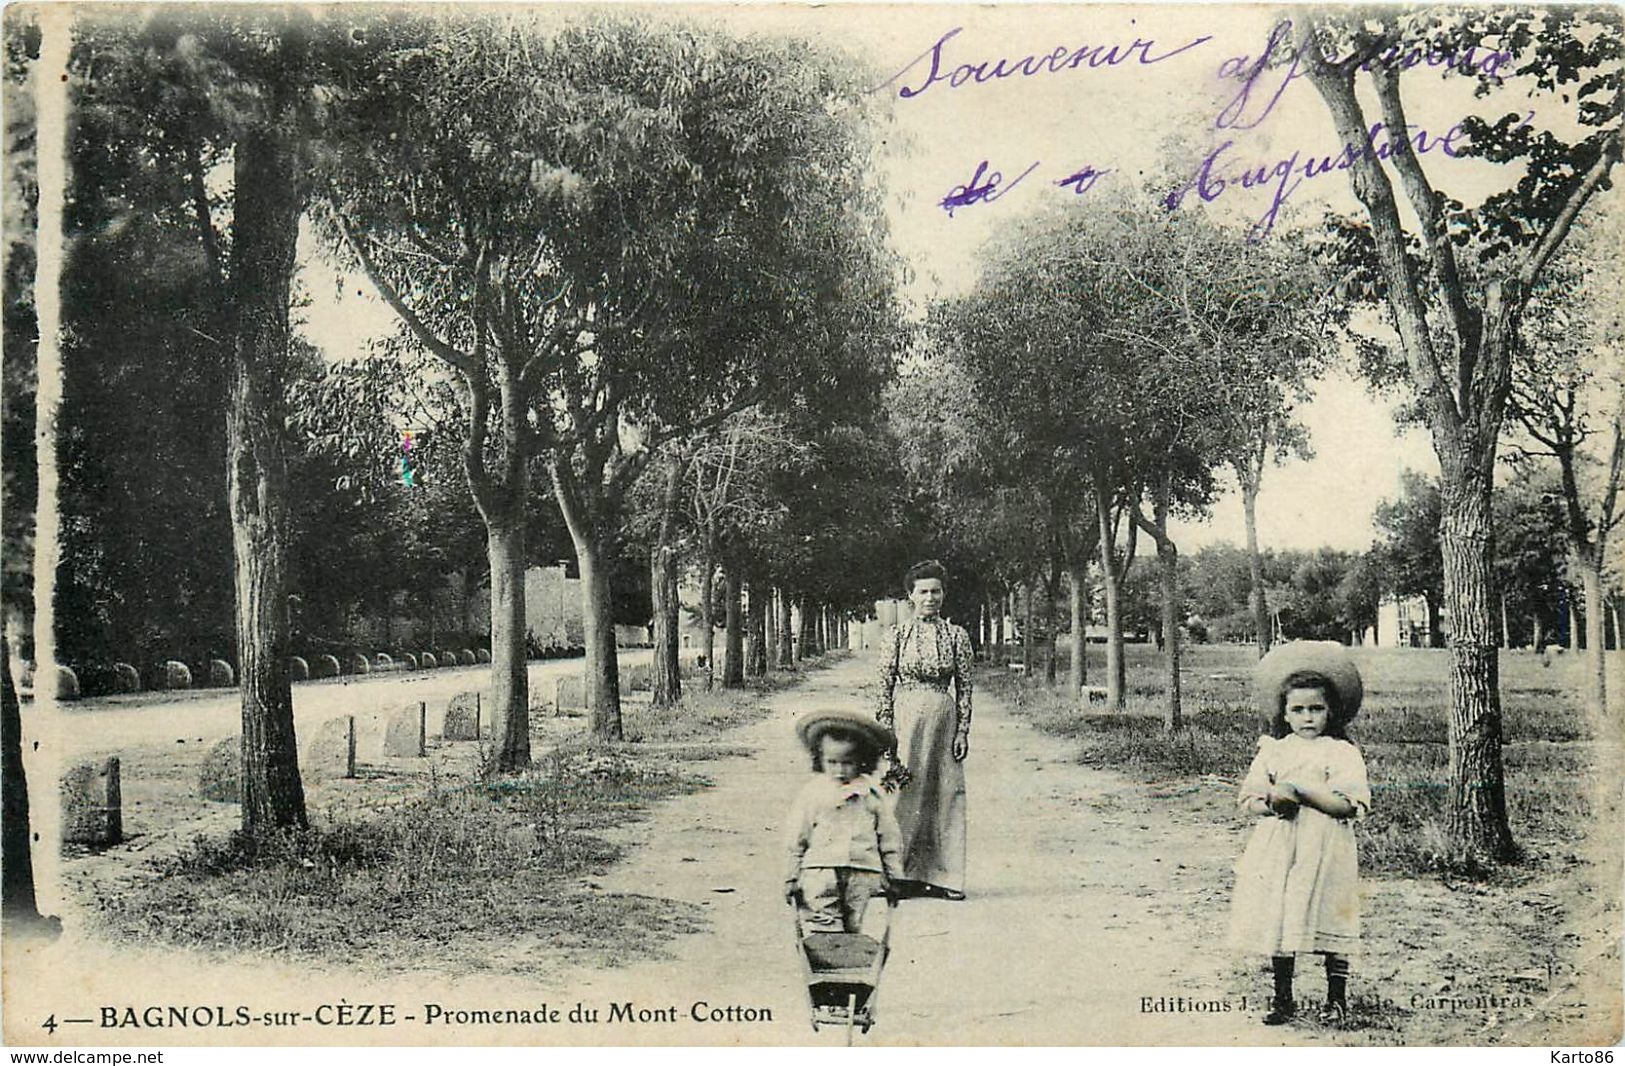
{"type": "Point", "coordinates": [812, 726]}
{"type": "Point", "coordinates": [1327, 658]}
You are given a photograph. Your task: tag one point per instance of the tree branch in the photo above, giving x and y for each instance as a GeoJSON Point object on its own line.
{"type": "Point", "coordinates": [1426, 203]}
{"type": "Point", "coordinates": [200, 209]}
{"type": "Point", "coordinates": [1371, 186]}
{"type": "Point", "coordinates": [1564, 220]}
{"type": "Point", "coordinates": [454, 358]}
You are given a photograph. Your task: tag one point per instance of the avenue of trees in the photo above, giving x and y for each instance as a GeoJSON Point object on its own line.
{"type": "Point", "coordinates": [647, 315]}
{"type": "Point", "coordinates": [1106, 352]}
{"type": "Point", "coordinates": [1118, 357]}
{"type": "Point", "coordinates": [592, 283]}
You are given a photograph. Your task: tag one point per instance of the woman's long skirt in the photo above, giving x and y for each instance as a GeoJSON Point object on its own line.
{"type": "Point", "coordinates": [931, 807]}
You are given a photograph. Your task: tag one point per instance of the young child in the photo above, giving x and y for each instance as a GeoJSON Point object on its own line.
{"type": "Point", "coordinates": [1297, 884]}
{"type": "Point", "coordinates": [844, 844]}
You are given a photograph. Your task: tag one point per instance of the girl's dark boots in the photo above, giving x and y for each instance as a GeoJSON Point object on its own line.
{"type": "Point", "coordinates": [1337, 981]}
{"type": "Point", "coordinates": [1281, 1006]}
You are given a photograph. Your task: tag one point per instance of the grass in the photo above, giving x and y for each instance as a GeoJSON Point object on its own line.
{"type": "Point", "coordinates": [460, 876]}
{"type": "Point", "coordinates": [482, 875]}
{"type": "Point", "coordinates": [1401, 730]}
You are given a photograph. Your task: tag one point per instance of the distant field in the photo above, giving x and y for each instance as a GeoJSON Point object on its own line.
{"type": "Point", "coordinates": [1402, 731]}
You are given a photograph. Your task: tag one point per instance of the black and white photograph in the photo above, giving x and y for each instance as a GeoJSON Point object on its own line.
{"type": "Point", "coordinates": [812, 525]}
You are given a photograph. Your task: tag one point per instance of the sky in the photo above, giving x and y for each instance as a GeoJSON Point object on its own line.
{"type": "Point", "coordinates": [1118, 119]}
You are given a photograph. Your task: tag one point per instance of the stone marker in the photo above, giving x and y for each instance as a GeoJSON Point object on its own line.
{"type": "Point", "coordinates": [327, 666]}
{"type": "Point", "coordinates": [332, 753]}
{"type": "Point", "coordinates": [429, 660]}
{"type": "Point", "coordinates": [570, 693]}
{"type": "Point", "coordinates": [221, 778]}
{"type": "Point", "coordinates": [298, 669]}
{"type": "Point", "coordinates": [462, 717]}
{"type": "Point", "coordinates": [447, 658]}
{"type": "Point", "coordinates": [409, 660]}
{"type": "Point", "coordinates": [360, 665]}
{"type": "Point", "coordinates": [638, 678]}
{"type": "Point", "coordinates": [406, 731]}
{"type": "Point", "coordinates": [91, 804]}
{"type": "Point", "coordinates": [382, 661]}
{"type": "Point", "coordinates": [220, 674]}
{"type": "Point", "coordinates": [125, 678]}
{"type": "Point", "coordinates": [481, 655]}
{"type": "Point", "coordinates": [67, 683]}
{"type": "Point", "coordinates": [177, 675]}
{"type": "Point", "coordinates": [468, 658]}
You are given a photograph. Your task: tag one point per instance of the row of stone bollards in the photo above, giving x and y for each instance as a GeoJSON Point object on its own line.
{"type": "Point", "coordinates": [173, 674]}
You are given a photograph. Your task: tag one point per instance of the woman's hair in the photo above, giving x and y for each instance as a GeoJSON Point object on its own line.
{"type": "Point", "coordinates": [1337, 719]}
{"type": "Point", "coordinates": [924, 572]}
{"type": "Point", "coordinates": [863, 748]}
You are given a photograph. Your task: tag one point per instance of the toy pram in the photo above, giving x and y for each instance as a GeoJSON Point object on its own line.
{"type": "Point", "coordinates": [842, 970]}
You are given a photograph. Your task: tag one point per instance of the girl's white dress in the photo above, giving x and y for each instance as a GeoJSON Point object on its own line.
{"type": "Point", "coordinates": [1298, 882]}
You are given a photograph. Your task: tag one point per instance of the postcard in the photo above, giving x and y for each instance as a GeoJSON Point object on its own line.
{"type": "Point", "coordinates": [783, 524]}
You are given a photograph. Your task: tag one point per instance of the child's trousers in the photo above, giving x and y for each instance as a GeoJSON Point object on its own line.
{"type": "Point", "coordinates": [833, 899]}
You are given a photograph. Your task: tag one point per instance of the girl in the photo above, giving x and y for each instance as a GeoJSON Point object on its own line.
{"type": "Point", "coordinates": [1297, 884]}
{"type": "Point", "coordinates": [844, 844]}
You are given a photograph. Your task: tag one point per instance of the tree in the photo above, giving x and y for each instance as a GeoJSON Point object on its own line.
{"type": "Point", "coordinates": [1359, 594]}
{"type": "Point", "coordinates": [1458, 305]}
{"type": "Point", "coordinates": [258, 91]}
{"type": "Point", "coordinates": [728, 499]}
{"type": "Point", "coordinates": [1568, 392]}
{"type": "Point", "coordinates": [591, 253]}
{"type": "Point", "coordinates": [1410, 529]}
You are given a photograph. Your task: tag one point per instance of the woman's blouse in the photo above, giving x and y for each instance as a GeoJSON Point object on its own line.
{"type": "Point", "coordinates": [929, 653]}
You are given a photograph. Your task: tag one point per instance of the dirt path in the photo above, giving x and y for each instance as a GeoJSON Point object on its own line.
{"type": "Point", "coordinates": [1077, 923]}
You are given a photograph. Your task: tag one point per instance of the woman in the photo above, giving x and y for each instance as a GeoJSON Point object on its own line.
{"type": "Point", "coordinates": [925, 693]}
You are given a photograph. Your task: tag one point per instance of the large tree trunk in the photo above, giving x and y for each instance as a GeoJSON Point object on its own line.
{"type": "Point", "coordinates": [1027, 643]}
{"type": "Point", "coordinates": [733, 661]}
{"type": "Point", "coordinates": [1052, 588]}
{"type": "Point", "coordinates": [1478, 814]}
{"type": "Point", "coordinates": [756, 637]}
{"type": "Point", "coordinates": [995, 621]}
{"type": "Point", "coordinates": [1111, 587]}
{"type": "Point", "coordinates": [708, 615]}
{"type": "Point", "coordinates": [1077, 577]}
{"type": "Point", "coordinates": [1596, 660]}
{"type": "Point", "coordinates": [1255, 568]}
{"type": "Point", "coordinates": [510, 677]}
{"type": "Point", "coordinates": [770, 631]}
{"type": "Point", "coordinates": [265, 228]}
{"type": "Point", "coordinates": [666, 679]}
{"type": "Point", "coordinates": [786, 648]}
{"type": "Point", "coordinates": [602, 666]}
{"type": "Point", "coordinates": [17, 902]}
{"type": "Point", "coordinates": [1168, 557]}
{"type": "Point", "coordinates": [1172, 601]}
{"type": "Point", "coordinates": [806, 640]}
